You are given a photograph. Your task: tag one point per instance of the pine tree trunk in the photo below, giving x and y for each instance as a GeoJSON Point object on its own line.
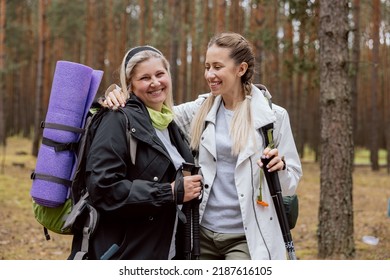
{"type": "Point", "coordinates": [374, 144]}
{"type": "Point", "coordinates": [174, 8]}
{"type": "Point", "coordinates": [99, 33]}
{"type": "Point", "coordinates": [195, 73]}
{"type": "Point", "coordinates": [300, 94]}
{"type": "Point", "coordinates": [355, 57]}
{"type": "Point", "coordinates": [142, 22]}
{"type": "Point", "coordinates": [256, 24]}
{"type": "Point", "coordinates": [288, 54]}
{"type": "Point", "coordinates": [124, 31]}
{"type": "Point", "coordinates": [335, 232]}
{"type": "Point", "coordinates": [235, 14]}
{"type": "Point", "coordinates": [3, 137]}
{"type": "Point", "coordinates": [220, 15]}
{"type": "Point", "coordinates": [182, 90]}
{"type": "Point", "coordinates": [47, 68]}
{"type": "Point", "coordinates": [39, 83]}
{"type": "Point", "coordinates": [386, 103]}
{"type": "Point", "coordinates": [204, 39]}
{"type": "Point", "coordinates": [91, 24]}
{"type": "Point", "coordinates": [111, 44]}
{"type": "Point", "coordinates": [313, 94]}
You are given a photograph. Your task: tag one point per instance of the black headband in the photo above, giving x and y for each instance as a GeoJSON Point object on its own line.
{"type": "Point", "coordinates": [136, 50]}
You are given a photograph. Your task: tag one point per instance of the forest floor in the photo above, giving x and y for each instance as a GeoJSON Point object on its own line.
{"type": "Point", "coordinates": [21, 236]}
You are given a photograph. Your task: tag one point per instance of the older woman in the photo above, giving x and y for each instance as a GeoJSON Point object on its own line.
{"type": "Point", "coordinates": [137, 201]}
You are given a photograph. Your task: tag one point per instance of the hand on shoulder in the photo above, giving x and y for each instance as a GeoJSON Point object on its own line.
{"type": "Point", "coordinates": [114, 97]}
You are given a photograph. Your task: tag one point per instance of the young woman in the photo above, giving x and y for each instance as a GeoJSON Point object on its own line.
{"type": "Point", "coordinates": [138, 202]}
{"type": "Point", "coordinates": [224, 129]}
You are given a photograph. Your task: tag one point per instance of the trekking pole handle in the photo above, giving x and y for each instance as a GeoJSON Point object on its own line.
{"type": "Point", "coordinates": [190, 169]}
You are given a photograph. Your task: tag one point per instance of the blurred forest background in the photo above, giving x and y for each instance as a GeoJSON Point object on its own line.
{"type": "Point", "coordinates": [36, 34]}
{"type": "Point", "coordinates": [287, 38]}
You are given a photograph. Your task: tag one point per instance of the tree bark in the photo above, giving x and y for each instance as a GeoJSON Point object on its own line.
{"type": "Point", "coordinates": [313, 133]}
{"type": "Point", "coordinates": [99, 33]}
{"type": "Point", "coordinates": [195, 74]}
{"type": "Point", "coordinates": [256, 24]}
{"type": "Point", "coordinates": [374, 143]}
{"type": "Point", "coordinates": [355, 58]}
{"type": "Point", "coordinates": [300, 94]}
{"type": "Point", "coordinates": [111, 47]}
{"type": "Point", "coordinates": [386, 88]}
{"type": "Point", "coordinates": [335, 232]}
{"type": "Point", "coordinates": [3, 137]}
{"type": "Point", "coordinates": [39, 84]}
{"type": "Point", "coordinates": [235, 16]}
{"type": "Point", "coordinates": [204, 39]}
{"type": "Point", "coordinates": [174, 7]}
{"type": "Point", "coordinates": [47, 68]}
{"type": "Point", "coordinates": [182, 90]}
{"type": "Point", "coordinates": [142, 22]}
{"type": "Point", "coordinates": [288, 64]}
{"type": "Point", "coordinates": [91, 24]}
{"type": "Point", "coordinates": [220, 15]}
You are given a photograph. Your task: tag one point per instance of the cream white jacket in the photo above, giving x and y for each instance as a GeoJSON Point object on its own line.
{"type": "Point", "coordinates": [261, 224]}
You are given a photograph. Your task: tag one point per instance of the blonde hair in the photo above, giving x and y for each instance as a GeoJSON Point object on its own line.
{"type": "Point", "coordinates": [128, 67]}
{"type": "Point", "coordinates": [241, 128]}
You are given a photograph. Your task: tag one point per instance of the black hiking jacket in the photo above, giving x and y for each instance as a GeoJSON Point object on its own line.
{"type": "Point", "coordinates": [135, 203]}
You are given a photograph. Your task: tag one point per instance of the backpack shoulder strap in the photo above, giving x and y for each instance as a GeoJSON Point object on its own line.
{"type": "Point", "coordinates": [267, 130]}
{"type": "Point", "coordinates": [130, 139]}
{"type": "Point", "coordinates": [92, 121]}
{"type": "Point", "coordinates": [266, 94]}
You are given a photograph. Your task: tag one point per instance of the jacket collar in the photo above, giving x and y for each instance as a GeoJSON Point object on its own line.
{"type": "Point", "coordinates": [261, 111]}
{"type": "Point", "coordinates": [144, 131]}
{"type": "Point", "coordinates": [262, 115]}
{"type": "Point", "coordinates": [141, 125]}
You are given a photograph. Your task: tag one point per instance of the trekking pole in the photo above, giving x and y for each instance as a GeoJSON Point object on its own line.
{"type": "Point", "coordinates": [276, 193]}
{"type": "Point", "coordinates": [195, 222]}
{"type": "Point", "coordinates": [192, 215]}
{"type": "Point", "coordinates": [187, 234]}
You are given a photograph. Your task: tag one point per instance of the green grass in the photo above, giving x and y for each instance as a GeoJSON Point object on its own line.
{"type": "Point", "coordinates": [362, 156]}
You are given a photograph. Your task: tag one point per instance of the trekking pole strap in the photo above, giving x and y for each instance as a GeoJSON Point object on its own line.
{"type": "Point", "coordinates": [179, 194]}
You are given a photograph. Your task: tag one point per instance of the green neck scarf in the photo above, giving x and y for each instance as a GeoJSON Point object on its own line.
{"type": "Point", "coordinates": [161, 120]}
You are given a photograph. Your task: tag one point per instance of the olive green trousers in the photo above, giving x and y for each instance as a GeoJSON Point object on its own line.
{"type": "Point", "coordinates": [223, 246]}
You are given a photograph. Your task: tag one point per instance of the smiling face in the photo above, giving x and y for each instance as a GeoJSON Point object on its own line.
{"type": "Point", "coordinates": [151, 83]}
{"type": "Point", "coordinates": [222, 74]}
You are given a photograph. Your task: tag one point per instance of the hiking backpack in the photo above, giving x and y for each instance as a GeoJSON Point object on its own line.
{"type": "Point", "coordinates": [76, 213]}
{"type": "Point", "coordinates": [54, 218]}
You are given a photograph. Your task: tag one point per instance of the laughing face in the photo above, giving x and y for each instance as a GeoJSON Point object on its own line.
{"type": "Point", "coordinates": [151, 83]}
{"type": "Point", "coordinates": [221, 72]}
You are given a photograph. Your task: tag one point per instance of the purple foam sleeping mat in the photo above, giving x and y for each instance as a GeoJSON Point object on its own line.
{"type": "Point", "coordinates": [73, 91]}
